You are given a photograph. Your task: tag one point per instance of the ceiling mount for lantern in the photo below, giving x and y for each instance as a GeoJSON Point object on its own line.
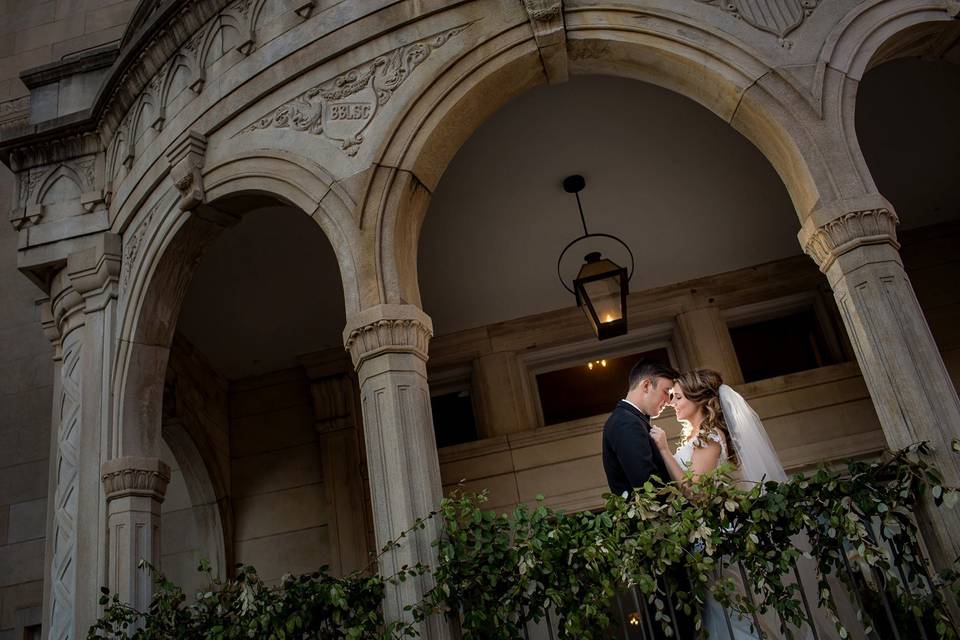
{"type": "Point", "coordinates": [601, 286]}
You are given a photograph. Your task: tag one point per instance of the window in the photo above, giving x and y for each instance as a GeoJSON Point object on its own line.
{"type": "Point", "coordinates": [781, 345]}
{"type": "Point", "coordinates": [590, 388]}
{"type": "Point", "coordinates": [453, 419]}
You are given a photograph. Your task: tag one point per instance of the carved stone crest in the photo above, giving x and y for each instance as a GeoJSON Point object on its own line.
{"type": "Point", "coordinates": [778, 17]}
{"type": "Point", "coordinates": [342, 108]}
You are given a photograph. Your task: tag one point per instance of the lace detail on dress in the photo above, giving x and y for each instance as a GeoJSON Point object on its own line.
{"type": "Point", "coordinates": [705, 435]}
{"type": "Point", "coordinates": [684, 453]}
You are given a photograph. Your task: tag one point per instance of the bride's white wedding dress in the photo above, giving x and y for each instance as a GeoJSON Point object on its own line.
{"type": "Point", "coordinates": [757, 461]}
{"type": "Point", "coordinates": [714, 620]}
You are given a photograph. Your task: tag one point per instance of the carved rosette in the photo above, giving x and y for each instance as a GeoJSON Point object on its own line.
{"type": "Point", "coordinates": [400, 335]}
{"type": "Point", "coordinates": [132, 476]}
{"type": "Point", "coordinates": [850, 231]}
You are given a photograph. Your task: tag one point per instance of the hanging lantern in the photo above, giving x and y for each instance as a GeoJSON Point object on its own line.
{"type": "Point", "coordinates": [601, 291]}
{"type": "Point", "coordinates": [601, 286]}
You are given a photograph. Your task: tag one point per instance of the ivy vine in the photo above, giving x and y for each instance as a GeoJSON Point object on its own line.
{"type": "Point", "coordinates": [499, 572]}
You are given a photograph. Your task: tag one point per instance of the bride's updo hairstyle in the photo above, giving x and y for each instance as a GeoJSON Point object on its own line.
{"type": "Point", "coordinates": [702, 387]}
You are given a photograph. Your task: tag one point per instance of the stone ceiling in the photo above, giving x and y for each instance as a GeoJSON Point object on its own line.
{"type": "Point", "coordinates": [688, 194]}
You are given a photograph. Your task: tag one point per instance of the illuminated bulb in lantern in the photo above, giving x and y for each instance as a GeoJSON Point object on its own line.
{"type": "Point", "coordinates": [634, 619]}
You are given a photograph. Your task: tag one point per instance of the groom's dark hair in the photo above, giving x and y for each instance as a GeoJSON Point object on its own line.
{"type": "Point", "coordinates": [650, 370]}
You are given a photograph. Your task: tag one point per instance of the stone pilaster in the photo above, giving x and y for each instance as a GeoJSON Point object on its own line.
{"type": "Point", "coordinates": [706, 341]}
{"type": "Point", "coordinates": [134, 488]}
{"type": "Point", "coordinates": [388, 345]}
{"type": "Point", "coordinates": [502, 405]}
{"type": "Point", "coordinates": [856, 247]}
{"type": "Point", "coordinates": [79, 321]}
{"type": "Point", "coordinates": [334, 407]}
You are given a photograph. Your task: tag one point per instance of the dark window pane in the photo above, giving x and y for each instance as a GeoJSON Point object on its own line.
{"type": "Point", "coordinates": [453, 421]}
{"type": "Point", "coordinates": [780, 346]}
{"type": "Point", "coordinates": [580, 392]}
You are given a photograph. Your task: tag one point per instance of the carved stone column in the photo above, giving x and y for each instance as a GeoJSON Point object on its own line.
{"type": "Point", "coordinates": [134, 488]}
{"type": "Point", "coordinates": [334, 402]}
{"type": "Point", "coordinates": [706, 340]}
{"type": "Point", "coordinates": [79, 320]}
{"type": "Point", "coordinates": [388, 344]}
{"type": "Point", "coordinates": [856, 247]}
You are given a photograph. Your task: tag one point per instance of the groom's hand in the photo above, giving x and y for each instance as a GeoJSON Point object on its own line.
{"type": "Point", "coordinates": [659, 437]}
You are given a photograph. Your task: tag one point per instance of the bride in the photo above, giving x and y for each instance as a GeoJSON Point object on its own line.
{"type": "Point", "coordinates": [716, 418]}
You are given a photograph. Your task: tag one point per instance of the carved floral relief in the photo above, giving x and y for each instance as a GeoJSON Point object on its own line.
{"type": "Point", "coordinates": [341, 109]}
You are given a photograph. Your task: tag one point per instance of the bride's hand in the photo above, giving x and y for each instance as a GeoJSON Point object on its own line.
{"type": "Point", "coordinates": [659, 437]}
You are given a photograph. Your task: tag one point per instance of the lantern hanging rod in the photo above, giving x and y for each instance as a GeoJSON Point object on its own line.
{"type": "Point", "coordinates": [575, 184]}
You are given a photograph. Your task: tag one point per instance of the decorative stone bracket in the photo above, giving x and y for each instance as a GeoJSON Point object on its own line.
{"type": "Point", "coordinates": [186, 157]}
{"type": "Point", "coordinates": [333, 402]}
{"type": "Point", "coordinates": [135, 476]}
{"type": "Point", "coordinates": [550, 33]}
{"type": "Point", "coordinates": [388, 328]}
{"type": "Point", "coordinates": [828, 241]}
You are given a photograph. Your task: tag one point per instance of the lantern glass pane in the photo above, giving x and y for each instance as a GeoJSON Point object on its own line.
{"type": "Point", "coordinates": [605, 297]}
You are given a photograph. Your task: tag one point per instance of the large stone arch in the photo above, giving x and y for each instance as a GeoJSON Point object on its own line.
{"type": "Point", "coordinates": [665, 49]}
{"type": "Point", "coordinates": [869, 35]}
{"type": "Point", "coordinates": [164, 245]}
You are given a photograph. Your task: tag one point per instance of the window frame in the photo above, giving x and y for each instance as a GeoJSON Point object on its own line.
{"type": "Point", "coordinates": [535, 362]}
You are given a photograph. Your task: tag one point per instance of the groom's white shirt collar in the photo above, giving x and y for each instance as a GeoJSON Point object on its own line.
{"type": "Point", "coordinates": [634, 406]}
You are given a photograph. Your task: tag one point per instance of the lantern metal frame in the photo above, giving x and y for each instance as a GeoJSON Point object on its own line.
{"type": "Point", "coordinates": [574, 184]}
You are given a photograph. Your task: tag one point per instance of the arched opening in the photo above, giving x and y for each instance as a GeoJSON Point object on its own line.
{"type": "Point", "coordinates": [247, 339]}
{"type": "Point", "coordinates": [719, 279]}
{"type": "Point", "coordinates": [905, 120]}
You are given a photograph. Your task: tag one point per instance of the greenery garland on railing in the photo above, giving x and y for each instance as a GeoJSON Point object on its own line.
{"type": "Point", "coordinates": [497, 573]}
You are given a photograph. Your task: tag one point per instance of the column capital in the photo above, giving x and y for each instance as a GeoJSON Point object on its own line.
{"type": "Point", "coordinates": [135, 476]}
{"type": "Point", "coordinates": [830, 233]}
{"type": "Point", "coordinates": [387, 328]}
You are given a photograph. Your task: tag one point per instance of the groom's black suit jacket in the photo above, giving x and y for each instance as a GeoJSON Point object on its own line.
{"type": "Point", "coordinates": [629, 455]}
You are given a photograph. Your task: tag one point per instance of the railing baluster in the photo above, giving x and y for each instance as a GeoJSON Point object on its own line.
{"type": "Point", "coordinates": [726, 612]}
{"type": "Point", "coordinates": [642, 612]}
{"type": "Point", "coordinates": [753, 604]}
{"type": "Point", "coordinates": [550, 626]}
{"type": "Point", "coordinates": [856, 591]}
{"type": "Point", "coordinates": [895, 552]}
{"type": "Point", "coordinates": [673, 615]}
{"type": "Point", "coordinates": [624, 623]}
{"type": "Point", "coordinates": [806, 604]}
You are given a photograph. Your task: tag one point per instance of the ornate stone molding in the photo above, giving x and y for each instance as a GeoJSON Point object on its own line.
{"type": "Point", "coordinates": [131, 247]}
{"type": "Point", "coordinates": [388, 328]}
{"type": "Point", "coordinates": [849, 231]}
{"type": "Point", "coordinates": [14, 113]}
{"type": "Point", "coordinates": [135, 476]}
{"type": "Point", "coordinates": [186, 161]}
{"type": "Point", "coordinates": [778, 17]}
{"type": "Point", "coordinates": [550, 33]}
{"type": "Point", "coordinates": [342, 108]}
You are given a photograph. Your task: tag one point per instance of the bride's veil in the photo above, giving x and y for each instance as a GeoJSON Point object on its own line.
{"type": "Point", "coordinates": [758, 461]}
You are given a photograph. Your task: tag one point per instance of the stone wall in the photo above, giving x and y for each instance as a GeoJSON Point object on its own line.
{"type": "Point", "coordinates": [38, 33]}
{"type": "Point", "coordinates": [31, 34]}
{"type": "Point", "coordinates": [26, 400]}
{"type": "Point", "coordinates": [279, 503]}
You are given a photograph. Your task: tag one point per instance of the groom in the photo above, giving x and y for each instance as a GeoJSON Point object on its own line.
{"type": "Point", "coordinates": [629, 457]}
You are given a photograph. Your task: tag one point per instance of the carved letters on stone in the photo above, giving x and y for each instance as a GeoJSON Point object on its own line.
{"type": "Point", "coordinates": [849, 231]}
{"type": "Point", "coordinates": [340, 109]}
{"type": "Point", "coordinates": [778, 17]}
